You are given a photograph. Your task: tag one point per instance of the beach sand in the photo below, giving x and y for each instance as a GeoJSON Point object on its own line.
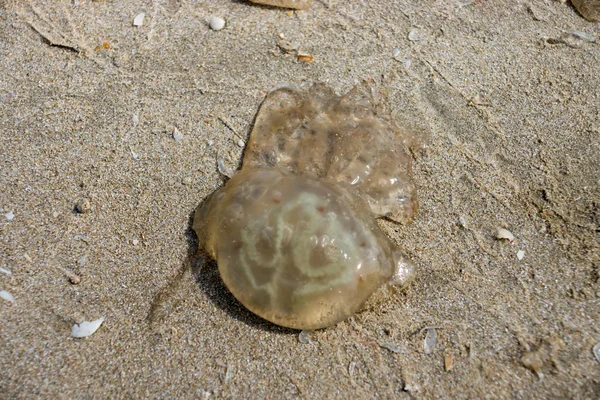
{"type": "Point", "coordinates": [504, 94]}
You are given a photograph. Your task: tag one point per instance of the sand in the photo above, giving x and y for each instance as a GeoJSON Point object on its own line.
{"type": "Point", "coordinates": [507, 104]}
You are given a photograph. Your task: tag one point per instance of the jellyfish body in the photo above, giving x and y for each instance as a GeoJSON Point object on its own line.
{"type": "Point", "coordinates": [294, 232]}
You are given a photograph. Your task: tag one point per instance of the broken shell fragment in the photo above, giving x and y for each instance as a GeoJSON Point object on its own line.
{"type": "Point", "coordinates": [504, 234]}
{"type": "Point", "coordinates": [86, 328]}
{"type": "Point", "coordinates": [6, 296]}
{"type": "Point", "coordinates": [139, 19]}
{"type": "Point", "coordinates": [305, 58]}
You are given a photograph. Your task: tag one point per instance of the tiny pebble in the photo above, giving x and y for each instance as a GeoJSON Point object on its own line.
{"type": "Point", "coordinates": [7, 296]}
{"type": "Point", "coordinates": [139, 19]}
{"type": "Point", "coordinates": [504, 234]}
{"type": "Point", "coordinates": [178, 136]}
{"type": "Point", "coordinates": [5, 271]}
{"type": "Point", "coordinates": [9, 216]}
{"type": "Point", "coordinates": [135, 242]}
{"type": "Point", "coordinates": [304, 337]}
{"type": "Point", "coordinates": [596, 350]}
{"type": "Point", "coordinates": [187, 181]}
{"type": "Point", "coordinates": [216, 23]}
{"type": "Point", "coordinates": [429, 342]}
{"type": "Point", "coordinates": [241, 143]}
{"type": "Point", "coordinates": [135, 155]}
{"type": "Point", "coordinates": [520, 254]}
{"type": "Point", "coordinates": [135, 120]}
{"type": "Point", "coordinates": [74, 279]}
{"type": "Point", "coordinates": [83, 206]}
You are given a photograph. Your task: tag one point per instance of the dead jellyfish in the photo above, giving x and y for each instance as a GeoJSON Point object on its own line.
{"type": "Point", "coordinates": [294, 232]}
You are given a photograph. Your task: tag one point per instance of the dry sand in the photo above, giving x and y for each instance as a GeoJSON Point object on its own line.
{"type": "Point", "coordinates": [511, 108]}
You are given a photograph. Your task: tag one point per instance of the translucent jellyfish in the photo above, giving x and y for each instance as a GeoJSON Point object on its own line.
{"type": "Point", "coordinates": [294, 232]}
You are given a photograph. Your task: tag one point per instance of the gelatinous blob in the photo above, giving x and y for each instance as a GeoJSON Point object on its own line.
{"type": "Point", "coordinates": [297, 4]}
{"type": "Point", "coordinates": [294, 232]}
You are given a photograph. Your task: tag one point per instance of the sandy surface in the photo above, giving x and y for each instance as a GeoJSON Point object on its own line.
{"type": "Point", "coordinates": [511, 108]}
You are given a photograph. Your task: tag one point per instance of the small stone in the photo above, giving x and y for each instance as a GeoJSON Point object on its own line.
{"type": "Point", "coordinates": [429, 342]}
{"type": "Point", "coordinates": [187, 181]}
{"type": "Point", "coordinates": [74, 279]}
{"type": "Point", "coordinates": [295, 4]}
{"type": "Point", "coordinates": [83, 206]}
{"type": "Point", "coordinates": [178, 136]}
{"type": "Point", "coordinates": [589, 9]}
{"type": "Point", "coordinates": [520, 254]}
{"type": "Point", "coordinates": [9, 215]}
{"type": "Point", "coordinates": [139, 19]}
{"type": "Point", "coordinates": [216, 23]}
{"type": "Point", "coordinates": [241, 143]}
{"type": "Point", "coordinates": [504, 234]}
{"type": "Point", "coordinates": [135, 242]}
{"type": "Point", "coordinates": [135, 120]}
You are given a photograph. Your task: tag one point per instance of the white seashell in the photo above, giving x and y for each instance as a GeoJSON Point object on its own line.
{"type": "Point", "coordinates": [139, 19]}
{"type": "Point", "coordinates": [86, 328]}
{"type": "Point", "coordinates": [504, 234]}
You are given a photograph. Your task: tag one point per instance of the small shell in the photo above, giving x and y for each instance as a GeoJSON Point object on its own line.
{"type": "Point", "coordinates": [139, 19]}
{"type": "Point", "coordinates": [504, 234]}
{"type": "Point", "coordinates": [86, 328]}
